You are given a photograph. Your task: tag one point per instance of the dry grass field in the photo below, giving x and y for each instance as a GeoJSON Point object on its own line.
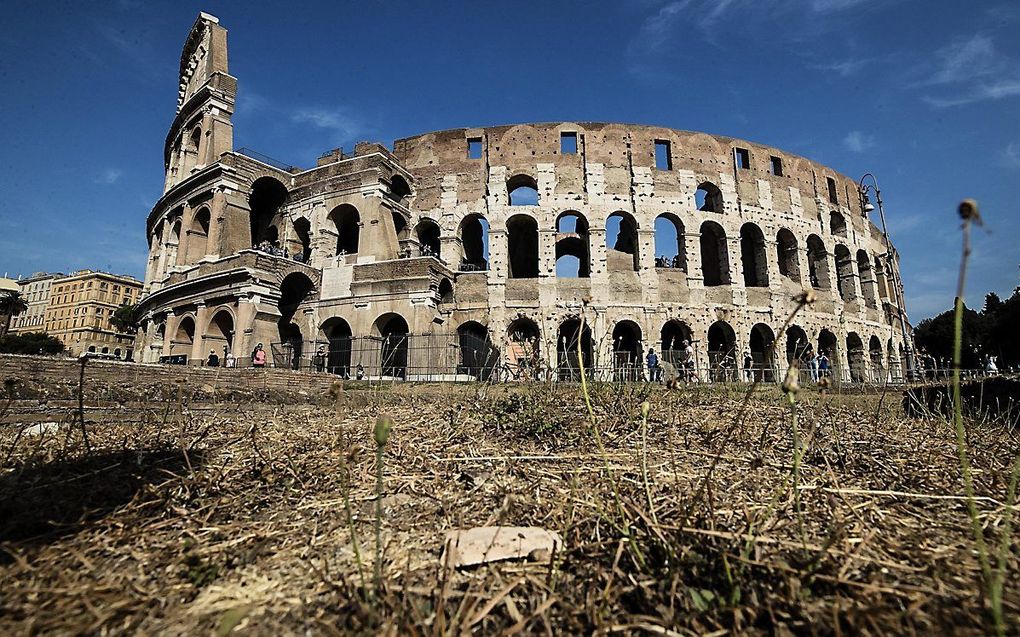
{"type": "Point", "coordinates": [255, 517]}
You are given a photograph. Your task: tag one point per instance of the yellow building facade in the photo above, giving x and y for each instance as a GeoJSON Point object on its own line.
{"type": "Point", "coordinates": [80, 310]}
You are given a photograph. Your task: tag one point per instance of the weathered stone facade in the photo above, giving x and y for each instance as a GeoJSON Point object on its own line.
{"type": "Point", "coordinates": [424, 239]}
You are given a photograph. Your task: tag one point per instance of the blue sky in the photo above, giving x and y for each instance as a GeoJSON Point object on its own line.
{"type": "Point", "coordinates": [924, 94]}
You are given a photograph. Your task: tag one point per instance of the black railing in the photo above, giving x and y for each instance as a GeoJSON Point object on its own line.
{"type": "Point", "coordinates": [265, 159]}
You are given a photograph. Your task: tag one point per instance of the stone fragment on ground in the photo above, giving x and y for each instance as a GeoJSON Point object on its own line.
{"type": "Point", "coordinates": [481, 545]}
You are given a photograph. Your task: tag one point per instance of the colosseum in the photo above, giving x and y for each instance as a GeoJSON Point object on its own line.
{"type": "Point", "coordinates": [524, 249]}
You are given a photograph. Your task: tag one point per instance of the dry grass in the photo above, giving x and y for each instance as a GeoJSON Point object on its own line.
{"type": "Point", "coordinates": [236, 520]}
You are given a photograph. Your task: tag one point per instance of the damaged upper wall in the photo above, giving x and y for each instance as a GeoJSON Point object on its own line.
{"type": "Point", "coordinates": [618, 162]}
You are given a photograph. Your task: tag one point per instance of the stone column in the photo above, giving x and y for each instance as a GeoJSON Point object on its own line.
{"type": "Point", "coordinates": [201, 322]}
{"type": "Point", "coordinates": [217, 208]}
{"type": "Point", "coordinates": [695, 277]}
{"type": "Point", "coordinates": [172, 322]}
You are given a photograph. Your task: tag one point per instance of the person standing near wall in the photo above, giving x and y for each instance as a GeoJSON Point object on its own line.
{"type": "Point", "coordinates": [258, 356]}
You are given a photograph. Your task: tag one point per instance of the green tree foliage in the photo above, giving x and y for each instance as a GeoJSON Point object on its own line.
{"type": "Point", "coordinates": [30, 343]}
{"type": "Point", "coordinates": [12, 303]}
{"type": "Point", "coordinates": [992, 331]}
{"type": "Point", "coordinates": [125, 319]}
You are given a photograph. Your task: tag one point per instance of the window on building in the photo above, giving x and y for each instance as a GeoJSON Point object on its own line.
{"type": "Point", "coordinates": [833, 197]}
{"type": "Point", "coordinates": [474, 147]}
{"type": "Point", "coordinates": [776, 166]}
{"type": "Point", "coordinates": [663, 156]}
{"type": "Point", "coordinates": [742, 157]}
{"type": "Point", "coordinates": [568, 143]}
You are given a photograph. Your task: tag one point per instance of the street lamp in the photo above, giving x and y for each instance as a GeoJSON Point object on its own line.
{"type": "Point", "coordinates": [867, 206]}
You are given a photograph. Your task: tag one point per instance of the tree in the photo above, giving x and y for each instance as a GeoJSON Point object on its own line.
{"type": "Point", "coordinates": [12, 303]}
{"type": "Point", "coordinates": [125, 319]}
{"type": "Point", "coordinates": [30, 343]}
{"type": "Point", "coordinates": [935, 336]}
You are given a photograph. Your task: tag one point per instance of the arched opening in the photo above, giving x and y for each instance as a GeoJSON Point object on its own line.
{"type": "Point", "coordinates": [116, 353]}
{"type": "Point", "coordinates": [445, 291]}
{"type": "Point", "coordinates": [478, 356]}
{"type": "Point", "coordinates": [340, 342]}
{"type": "Point", "coordinates": [789, 259]}
{"type": "Point", "coordinates": [569, 335]}
{"type": "Point", "coordinates": [877, 365]}
{"type": "Point", "coordinates": [196, 141]}
{"type": "Point", "coordinates": [522, 246]}
{"type": "Point", "coordinates": [670, 242]}
{"type": "Point", "coordinates": [303, 233]}
{"type": "Point", "coordinates": [295, 289]}
{"type": "Point", "coordinates": [399, 189]}
{"type": "Point", "coordinates": [474, 237]}
{"type": "Point", "coordinates": [427, 233]}
{"type": "Point", "coordinates": [522, 190]}
{"type": "Point", "coordinates": [572, 246]}
{"type": "Point", "coordinates": [523, 359]}
{"type": "Point", "coordinates": [184, 339]}
{"type": "Point", "coordinates": [844, 273]}
{"type": "Point", "coordinates": [818, 263]}
{"type": "Point", "coordinates": [267, 197]}
{"type": "Point", "coordinates": [392, 330]}
{"type": "Point", "coordinates": [219, 335]}
{"type": "Point", "coordinates": [837, 224]}
{"type": "Point", "coordinates": [763, 362]}
{"type": "Point", "coordinates": [752, 256]}
{"type": "Point", "coordinates": [715, 263]}
{"type": "Point", "coordinates": [676, 338]}
{"type": "Point", "coordinates": [627, 359]}
{"type": "Point", "coordinates": [828, 347]}
{"type": "Point", "coordinates": [400, 225]}
{"type": "Point", "coordinates": [622, 242]}
{"type": "Point", "coordinates": [855, 357]}
{"type": "Point", "coordinates": [106, 350]}
{"type": "Point", "coordinates": [708, 197]}
{"type": "Point", "coordinates": [722, 356]}
{"type": "Point", "coordinates": [867, 278]}
{"type": "Point", "coordinates": [198, 235]}
{"type": "Point", "coordinates": [798, 346]}
{"type": "Point", "coordinates": [92, 349]}
{"type": "Point", "coordinates": [347, 221]}
{"type": "Point", "coordinates": [174, 243]}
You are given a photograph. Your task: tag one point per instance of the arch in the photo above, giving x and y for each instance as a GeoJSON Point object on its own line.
{"type": "Point", "coordinates": [427, 233]}
{"type": "Point", "coordinates": [621, 239]}
{"type": "Point", "coordinates": [474, 239]}
{"type": "Point", "coordinates": [523, 353]}
{"type": "Point", "coordinates": [568, 336]}
{"type": "Point", "coordinates": [105, 350]}
{"type": "Point", "coordinates": [877, 363]}
{"type": "Point", "coordinates": [788, 254]}
{"type": "Point", "coordinates": [291, 348]}
{"type": "Point", "coordinates": [670, 242]}
{"type": "Point", "coordinates": [478, 356]}
{"type": "Point", "coordinates": [798, 346]}
{"type": "Point", "coordinates": [573, 248]}
{"type": "Point", "coordinates": [347, 221]}
{"type": "Point", "coordinates": [340, 342]}
{"type": "Point", "coordinates": [184, 338]}
{"type": "Point", "coordinates": [761, 342]}
{"type": "Point", "coordinates": [752, 256]}
{"type": "Point", "coordinates": [303, 232]}
{"type": "Point", "coordinates": [219, 333]}
{"type": "Point", "coordinates": [267, 196]}
{"type": "Point", "coordinates": [837, 224]}
{"type": "Point", "coordinates": [295, 288]}
{"type": "Point", "coordinates": [880, 278]}
{"type": "Point", "coordinates": [195, 140]}
{"type": "Point", "coordinates": [627, 358]}
{"type": "Point", "coordinates": [92, 349]}
{"type": "Point", "coordinates": [844, 273]}
{"type": "Point", "coordinates": [445, 290]}
{"type": "Point", "coordinates": [198, 234]}
{"type": "Point", "coordinates": [818, 263]}
{"type": "Point", "coordinates": [522, 190]}
{"type": "Point", "coordinates": [399, 189]}
{"type": "Point", "coordinates": [675, 336]}
{"type": "Point", "coordinates": [708, 197]}
{"type": "Point", "coordinates": [722, 355]}
{"type": "Point", "coordinates": [400, 225]}
{"type": "Point", "coordinates": [116, 352]}
{"type": "Point", "coordinates": [829, 347]}
{"type": "Point", "coordinates": [867, 278]}
{"type": "Point", "coordinates": [392, 330]}
{"type": "Point", "coordinates": [855, 357]}
{"type": "Point", "coordinates": [715, 263]}
{"type": "Point", "coordinates": [522, 246]}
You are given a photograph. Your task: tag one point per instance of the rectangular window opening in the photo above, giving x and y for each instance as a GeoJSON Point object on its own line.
{"type": "Point", "coordinates": [663, 156]}
{"type": "Point", "coordinates": [833, 198]}
{"type": "Point", "coordinates": [776, 166]}
{"type": "Point", "coordinates": [568, 143]}
{"type": "Point", "coordinates": [474, 147]}
{"type": "Point", "coordinates": [743, 158]}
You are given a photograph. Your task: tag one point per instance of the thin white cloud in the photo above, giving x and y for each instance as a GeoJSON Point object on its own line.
{"type": "Point", "coordinates": [1010, 155]}
{"type": "Point", "coordinates": [108, 177]}
{"type": "Point", "coordinates": [845, 68]}
{"type": "Point", "coordinates": [857, 142]}
{"type": "Point", "coordinates": [971, 70]}
{"type": "Point", "coordinates": [343, 126]}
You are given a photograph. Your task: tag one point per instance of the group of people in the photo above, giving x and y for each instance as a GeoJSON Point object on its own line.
{"type": "Point", "coordinates": [271, 247]}
{"type": "Point", "coordinates": [667, 262]}
{"type": "Point", "coordinates": [258, 358]}
{"type": "Point", "coordinates": [684, 366]}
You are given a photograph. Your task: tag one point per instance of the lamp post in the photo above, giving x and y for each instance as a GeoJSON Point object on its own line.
{"type": "Point", "coordinates": [866, 205]}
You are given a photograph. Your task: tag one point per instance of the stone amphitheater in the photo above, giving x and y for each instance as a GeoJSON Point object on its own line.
{"type": "Point", "coordinates": [526, 248]}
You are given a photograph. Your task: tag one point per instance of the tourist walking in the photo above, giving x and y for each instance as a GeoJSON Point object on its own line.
{"type": "Point", "coordinates": [258, 356]}
{"type": "Point", "coordinates": [213, 360]}
{"type": "Point", "coordinates": [748, 366]}
{"type": "Point", "coordinates": [653, 365]}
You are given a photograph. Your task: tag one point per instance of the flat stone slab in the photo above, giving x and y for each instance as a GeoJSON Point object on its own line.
{"type": "Point", "coordinates": [484, 544]}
